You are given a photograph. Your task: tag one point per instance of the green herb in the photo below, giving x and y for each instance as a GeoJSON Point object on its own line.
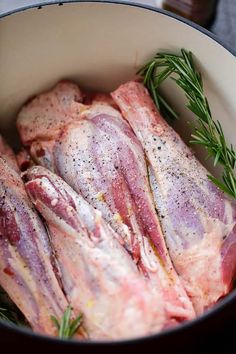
{"type": "Point", "coordinates": [66, 326]}
{"type": "Point", "coordinates": [152, 81]}
{"type": "Point", "coordinates": [5, 315]}
{"type": "Point", "coordinates": [208, 132]}
{"type": "Point", "coordinates": [8, 314]}
{"type": "Point", "coordinates": [8, 311]}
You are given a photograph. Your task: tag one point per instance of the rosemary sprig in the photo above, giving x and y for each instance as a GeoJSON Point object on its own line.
{"type": "Point", "coordinates": [66, 326]}
{"type": "Point", "coordinates": [208, 133]}
{"type": "Point", "coordinates": [152, 82]}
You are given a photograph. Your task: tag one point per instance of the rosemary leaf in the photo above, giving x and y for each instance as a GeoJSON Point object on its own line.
{"type": "Point", "coordinates": [75, 325]}
{"type": "Point", "coordinates": [67, 327]}
{"type": "Point", "coordinates": [207, 132]}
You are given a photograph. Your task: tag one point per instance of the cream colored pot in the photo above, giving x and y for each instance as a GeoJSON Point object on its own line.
{"type": "Point", "coordinates": [100, 45]}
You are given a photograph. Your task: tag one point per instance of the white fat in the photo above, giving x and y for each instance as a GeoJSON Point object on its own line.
{"type": "Point", "coordinates": [54, 202]}
{"type": "Point", "coordinates": [205, 255]}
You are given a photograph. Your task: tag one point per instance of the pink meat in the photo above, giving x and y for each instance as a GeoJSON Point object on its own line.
{"type": "Point", "coordinates": [98, 275]}
{"type": "Point", "coordinates": [7, 154]}
{"type": "Point", "coordinates": [24, 160]}
{"type": "Point", "coordinates": [100, 157]}
{"type": "Point", "coordinates": [45, 115]}
{"type": "Point", "coordinates": [28, 271]}
{"type": "Point", "coordinates": [198, 220]}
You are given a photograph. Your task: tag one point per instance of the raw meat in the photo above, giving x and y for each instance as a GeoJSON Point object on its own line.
{"type": "Point", "coordinates": [28, 271]}
{"type": "Point", "coordinates": [98, 275]}
{"type": "Point", "coordinates": [198, 220]}
{"type": "Point", "coordinates": [99, 156]}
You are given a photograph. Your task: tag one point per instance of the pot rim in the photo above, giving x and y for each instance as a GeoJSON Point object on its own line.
{"type": "Point", "coordinates": [229, 299]}
{"type": "Point", "coordinates": [194, 25]}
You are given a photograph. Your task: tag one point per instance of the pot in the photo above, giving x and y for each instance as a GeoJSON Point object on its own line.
{"type": "Point", "coordinates": [100, 45]}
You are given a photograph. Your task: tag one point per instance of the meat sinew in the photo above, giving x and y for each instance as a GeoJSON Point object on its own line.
{"type": "Point", "coordinates": [100, 157]}
{"type": "Point", "coordinates": [98, 274]}
{"type": "Point", "coordinates": [27, 265]}
{"type": "Point", "coordinates": [198, 220]}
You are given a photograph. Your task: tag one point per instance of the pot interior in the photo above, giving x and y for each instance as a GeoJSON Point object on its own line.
{"type": "Point", "coordinates": [101, 45]}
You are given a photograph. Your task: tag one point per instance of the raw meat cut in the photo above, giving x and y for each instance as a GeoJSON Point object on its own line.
{"type": "Point", "coordinates": [24, 160]}
{"type": "Point", "coordinates": [98, 275]}
{"type": "Point", "coordinates": [99, 156]}
{"type": "Point", "coordinates": [198, 220]}
{"type": "Point", "coordinates": [28, 271]}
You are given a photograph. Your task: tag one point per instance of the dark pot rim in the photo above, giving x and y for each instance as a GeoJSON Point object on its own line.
{"type": "Point", "coordinates": [227, 301]}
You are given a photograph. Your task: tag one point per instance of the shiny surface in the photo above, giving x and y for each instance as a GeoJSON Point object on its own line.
{"type": "Point", "coordinates": [98, 275]}
{"type": "Point", "coordinates": [198, 221]}
{"type": "Point", "coordinates": [91, 69]}
{"type": "Point", "coordinates": [27, 264]}
{"type": "Point", "coordinates": [94, 150]}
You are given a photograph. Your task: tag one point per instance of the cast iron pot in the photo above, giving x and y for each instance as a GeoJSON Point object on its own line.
{"type": "Point", "coordinates": [101, 44]}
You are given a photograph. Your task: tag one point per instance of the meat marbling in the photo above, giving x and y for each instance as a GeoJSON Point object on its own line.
{"type": "Point", "coordinates": [97, 153]}
{"type": "Point", "coordinates": [98, 274]}
{"type": "Point", "coordinates": [28, 271]}
{"type": "Point", "coordinates": [198, 220]}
